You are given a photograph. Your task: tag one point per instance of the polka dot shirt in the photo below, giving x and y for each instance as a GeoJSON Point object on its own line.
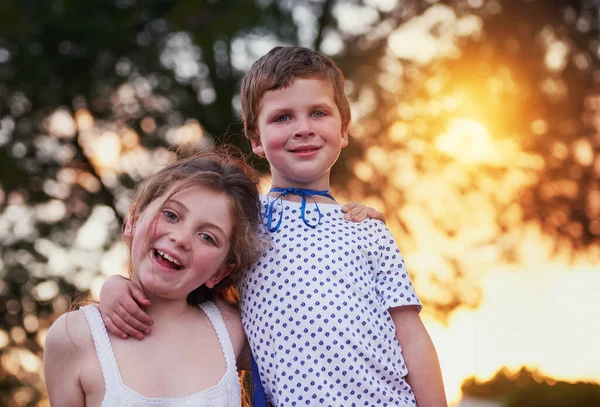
{"type": "Point", "coordinates": [315, 311]}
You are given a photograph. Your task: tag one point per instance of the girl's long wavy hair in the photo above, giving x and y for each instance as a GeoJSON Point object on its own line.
{"type": "Point", "coordinates": [222, 172]}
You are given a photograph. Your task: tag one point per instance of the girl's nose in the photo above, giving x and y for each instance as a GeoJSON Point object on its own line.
{"type": "Point", "coordinates": [181, 238]}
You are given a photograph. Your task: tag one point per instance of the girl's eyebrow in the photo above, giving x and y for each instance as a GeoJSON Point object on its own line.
{"type": "Point", "coordinates": [173, 200]}
{"type": "Point", "coordinates": [211, 225]}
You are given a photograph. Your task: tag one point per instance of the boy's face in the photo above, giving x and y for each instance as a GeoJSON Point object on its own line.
{"type": "Point", "coordinates": [301, 134]}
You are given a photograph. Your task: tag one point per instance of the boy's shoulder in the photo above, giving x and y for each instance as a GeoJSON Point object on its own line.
{"type": "Point", "coordinates": [330, 215]}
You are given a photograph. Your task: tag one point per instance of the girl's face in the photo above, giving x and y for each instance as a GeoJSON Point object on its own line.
{"type": "Point", "coordinates": [181, 244]}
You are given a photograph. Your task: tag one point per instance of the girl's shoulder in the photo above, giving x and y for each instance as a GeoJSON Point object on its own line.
{"type": "Point", "coordinates": [232, 317]}
{"type": "Point", "coordinates": [233, 322]}
{"type": "Point", "coordinates": [69, 334]}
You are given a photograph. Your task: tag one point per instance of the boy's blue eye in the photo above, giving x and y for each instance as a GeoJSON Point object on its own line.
{"type": "Point", "coordinates": [170, 215]}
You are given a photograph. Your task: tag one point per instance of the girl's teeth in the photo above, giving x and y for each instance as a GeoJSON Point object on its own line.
{"type": "Point", "coordinates": [166, 256]}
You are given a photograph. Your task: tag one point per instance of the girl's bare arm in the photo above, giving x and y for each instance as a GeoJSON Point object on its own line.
{"type": "Point", "coordinates": [61, 362]}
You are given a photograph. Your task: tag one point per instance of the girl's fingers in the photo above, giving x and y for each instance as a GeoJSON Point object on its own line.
{"type": "Point", "coordinates": [360, 213]}
{"type": "Point", "coordinates": [374, 214]}
{"type": "Point", "coordinates": [349, 206]}
{"type": "Point", "coordinates": [350, 210]}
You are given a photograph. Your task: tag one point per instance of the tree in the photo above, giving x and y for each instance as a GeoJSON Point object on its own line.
{"type": "Point", "coordinates": [478, 121]}
{"type": "Point", "coordinates": [529, 389]}
{"type": "Point", "coordinates": [96, 95]}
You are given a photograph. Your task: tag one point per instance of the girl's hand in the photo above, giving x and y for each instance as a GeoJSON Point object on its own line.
{"type": "Point", "coordinates": [358, 212]}
{"type": "Point", "coordinates": [121, 304]}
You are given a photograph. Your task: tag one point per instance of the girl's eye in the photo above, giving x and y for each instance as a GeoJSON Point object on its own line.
{"type": "Point", "coordinates": [319, 114]}
{"type": "Point", "coordinates": [170, 215]}
{"type": "Point", "coordinates": [207, 238]}
{"type": "Point", "coordinates": [282, 118]}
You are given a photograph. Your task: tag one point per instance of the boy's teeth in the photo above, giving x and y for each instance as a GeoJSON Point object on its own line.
{"type": "Point", "coordinates": [166, 256]}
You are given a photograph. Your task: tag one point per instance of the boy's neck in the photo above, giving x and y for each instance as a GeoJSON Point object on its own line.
{"type": "Point", "coordinates": [298, 198]}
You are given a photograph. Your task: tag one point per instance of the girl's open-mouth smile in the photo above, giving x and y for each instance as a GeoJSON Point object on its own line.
{"type": "Point", "coordinates": [166, 261]}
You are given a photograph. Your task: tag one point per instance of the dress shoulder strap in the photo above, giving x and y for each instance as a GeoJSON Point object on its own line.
{"type": "Point", "coordinates": [108, 363]}
{"type": "Point", "coordinates": [216, 319]}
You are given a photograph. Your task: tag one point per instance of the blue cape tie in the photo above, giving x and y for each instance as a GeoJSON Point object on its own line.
{"type": "Point", "coordinates": [295, 191]}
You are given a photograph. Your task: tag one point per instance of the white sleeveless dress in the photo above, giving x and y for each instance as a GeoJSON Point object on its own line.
{"type": "Point", "coordinates": [226, 393]}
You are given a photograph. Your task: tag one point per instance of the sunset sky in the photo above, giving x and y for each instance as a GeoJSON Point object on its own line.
{"type": "Point", "coordinates": [448, 156]}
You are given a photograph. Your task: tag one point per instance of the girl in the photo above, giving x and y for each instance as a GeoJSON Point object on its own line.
{"type": "Point", "coordinates": [192, 227]}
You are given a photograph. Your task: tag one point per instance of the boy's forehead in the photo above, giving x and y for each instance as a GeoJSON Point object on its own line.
{"type": "Point", "coordinates": [281, 85]}
{"type": "Point", "coordinates": [316, 85]}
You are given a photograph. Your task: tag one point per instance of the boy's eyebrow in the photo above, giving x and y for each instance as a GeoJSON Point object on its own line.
{"type": "Point", "coordinates": [279, 110]}
{"type": "Point", "coordinates": [321, 105]}
{"type": "Point", "coordinates": [314, 106]}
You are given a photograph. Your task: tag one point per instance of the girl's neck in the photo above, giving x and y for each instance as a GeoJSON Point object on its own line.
{"type": "Point", "coordinates": [163, 310]}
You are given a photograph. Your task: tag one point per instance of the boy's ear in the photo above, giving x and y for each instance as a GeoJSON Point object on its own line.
{"type": "Point", "coordinates": [219, 275]}
{"type": "Point", "coordinates": [257, 147]}
{"type": "Point", "coordinates": [345, 137]}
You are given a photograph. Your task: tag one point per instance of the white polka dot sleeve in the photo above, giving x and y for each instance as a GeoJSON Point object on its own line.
{"type": "Point", "coordinates": [394, 287]}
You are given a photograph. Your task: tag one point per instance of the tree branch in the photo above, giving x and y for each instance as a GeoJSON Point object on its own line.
{"type": "Point", "coordinates": [106, 195]}
{"type": "Point", "coordinates": [324, 20]}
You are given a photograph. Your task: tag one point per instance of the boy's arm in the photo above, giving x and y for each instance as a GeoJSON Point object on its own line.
{"type": "Point", "coordinates": [61, 364]}
{"type": "Point", "coordinates": [359, 212]}
{"type": "Point", "coordinates": [120, 306]}
{"type": "Point", "coordinates": [424, 374]}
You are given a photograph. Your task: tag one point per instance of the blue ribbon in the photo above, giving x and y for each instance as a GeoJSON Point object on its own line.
{"type": "Point", "coordinates": [259, 398]}
{"type": "Point", "coordinates": [295, 191]}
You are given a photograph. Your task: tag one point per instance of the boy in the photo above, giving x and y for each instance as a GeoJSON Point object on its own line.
{"type": "Point", "coordinates": [329, 311]}
{"type": "Point", "coordinates": [328, 331]}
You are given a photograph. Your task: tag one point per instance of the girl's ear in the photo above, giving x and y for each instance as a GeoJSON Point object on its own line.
{"type": "Point", "coordinates": [128, 230]}
{"type": "Point", "coordinates": [219, 275]}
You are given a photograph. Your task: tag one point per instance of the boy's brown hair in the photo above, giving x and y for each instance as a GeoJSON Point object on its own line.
{"type": "Point", "coordinates": [277, 69]}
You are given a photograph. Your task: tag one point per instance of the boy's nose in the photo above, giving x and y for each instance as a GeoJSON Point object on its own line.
{"type": "Point", "coordinates": [303, 129]}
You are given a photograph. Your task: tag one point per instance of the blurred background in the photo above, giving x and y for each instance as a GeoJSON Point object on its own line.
{"type": "Point", "coordinates": [476, 130]}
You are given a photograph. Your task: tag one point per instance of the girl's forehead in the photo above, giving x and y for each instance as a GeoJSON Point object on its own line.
{"type": "Point", "coordinates": [201, 201]}
{"type": "Point", "coordinates": [193, 193]}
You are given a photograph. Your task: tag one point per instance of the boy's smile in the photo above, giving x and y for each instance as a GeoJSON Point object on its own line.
{"type": "Point", "coordinates": [301, 134]}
